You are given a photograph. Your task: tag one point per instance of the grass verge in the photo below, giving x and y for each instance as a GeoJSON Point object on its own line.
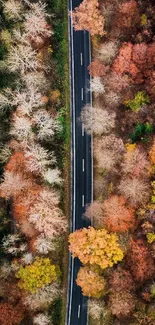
{"type": "Point", "coordinates": [61, 56]}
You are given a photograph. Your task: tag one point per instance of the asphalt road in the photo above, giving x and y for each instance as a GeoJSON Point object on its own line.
{"type": "Point", "coordinates": [81, 151]}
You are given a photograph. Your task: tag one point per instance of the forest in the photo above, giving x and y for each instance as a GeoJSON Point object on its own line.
{"type": "Point", "coordinates": [34, 135]}
{"type": "Point", "coordinates": [118, 251]}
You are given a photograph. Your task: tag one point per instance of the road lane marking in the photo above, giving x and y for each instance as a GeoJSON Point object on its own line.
{"type": "Point", "coordinates": [82, 200]}
{"type": "Point", "coordinates": [82, 93]}
{"type": "Point", "coordinates": [79, 308]}
{"type": "Point", "coordinates": [81, 59]}
{"type": "Point", "coordinates": [83, 165]}
{"type": "Point", "coordinates": [82, 130]}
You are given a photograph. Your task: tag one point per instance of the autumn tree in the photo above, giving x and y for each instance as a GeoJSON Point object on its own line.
{"type": "Point", "coordinates": [94, 212]}
{"type": "Point", "coordinates": [35, 25]}
{"type": "Point", "coordinates": [37, 275]}
{"type": "Point", "coordinates": [140, 261]}
{"type": "Point", "coordinates": [13, 9]}
{"type": "Point", "coordinates": [42, 297]}
{"type": "Point", "coordinates": [96, 68]}
{"type": "Point", "coordinates": [152, 153]}
{"type": "Point", "coordinates": [108, 152]}
{"type": "Point", "coordinates": [122, 303]}
{"type": "Point", "coordinates": [121, 280]}
{"type": "Point", "coordinates": [91, 283]}
{"type": "Point", "coordinates": [127, 16]}
{"type": "Point", "coordinates": [96, 86]}
{"type": "Point", "coordinates": [95, 247]}
{"type": "Point", "coordinates": [97, 120]}
{"type": "Point", "coordinates": [22, 58]}
{"type": "Point", "coordinates": [135, 163]}
{"type": "Point", "coordinates": [135, 190]}
{"type": "Point", "coordinates": [135, 60]}
{"type": "Point", "coordinates": [119, 217]}
{"type": "Point", "coordinates": [107, 52]}
{"type": "Point", "coordinates": [46, 215]}
{"type": "Point", "coordinates": [10, 315]}
{"type": "Point", "coordinates": [88, 17]}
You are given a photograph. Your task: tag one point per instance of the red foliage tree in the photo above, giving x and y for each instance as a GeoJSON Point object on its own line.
{"type": "Point", "coordinates": [10, 315]}
{"type": "Point", "coordinates": [127, 16]}
{"type": "Point", "coordinates": [119, 216]}
{"type": "Point", "coordinates": [121, 280]}
{"type": "Point", "coordinates": [140, 261]}
{"type": "Point", "coordinates": [88, 17]}
{"type": "Point", "coordinates": [137, 60]}
{"type": "Point", "coordinates": [16, 163]}
{"type": "Point", "coordinates": [96, 68]}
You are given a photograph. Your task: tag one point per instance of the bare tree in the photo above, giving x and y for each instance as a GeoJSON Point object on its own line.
{"type": "Point", "coordinates": [21, 127]}
{"type": "Point", "coordinates": [135, 190]}
{"type": "Point", "coordinates": [46, 124]}
{"type": "Point", "coordinates": [97, 120]}
{"type": "Point", "coordinates": [108, 152]}
{"type": "Point", "coordinates": [107, 51]}
{"type": "Point", "coordinates": [96, 86]}
{"type": "Point", "coordinates": [13, 9]}
{"type": "Point", "coordinates": [38, 159]}
{"type": "Point", "coordinates": [41, 319]}
{"type": "Point", "coordinates": [22, 58]}
{"type": "Point", "coordinates": [35, 24]}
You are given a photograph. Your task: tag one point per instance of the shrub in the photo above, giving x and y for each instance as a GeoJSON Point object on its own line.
{"type": "Point", "coordinates": [95, 247]}
{"type": "Point", "coordinates": [141, 98]}
{"type": "Point", "coordinates": [91, 283]}
{"type": "Point", "coordinates": [37, 275]}
{"type": "Point", "coordinates": [140, 261]}
{"type": "Point", "coordinates": [119, 217]}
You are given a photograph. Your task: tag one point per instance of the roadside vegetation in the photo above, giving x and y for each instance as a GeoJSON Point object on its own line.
{"type": "Point", "coordinates": [118, 250]}
{"type": "Point", "coordinates": [34, 139]}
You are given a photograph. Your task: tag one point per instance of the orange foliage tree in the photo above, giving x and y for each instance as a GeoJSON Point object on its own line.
{"type": "Point", "coordinates": [122, 303]}
{"type": "Point", "coordinates": [119, 216]}
{"type": "Point", "coordinates": [140, 261]}
{"type": "Point", "coordinates": [137, 60]}
{"type": "Point", "coordinates": [96, 68]}
{"type": "Point", "coordinates": [152, 153]}
{"type": "Point", "coordinates": [88, 17]}
{"type": "Point", "coordinates": [95, 247]}
{"type": "Point", "coordinates": [10, 315]}
{"type": "Point", "coordinates": [127, 16]}
{"type": "Point", "coordinates": [91, 283]}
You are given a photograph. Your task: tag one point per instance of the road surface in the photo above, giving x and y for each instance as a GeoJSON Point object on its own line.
{"type": "Point", "coordinates": [81, 151]}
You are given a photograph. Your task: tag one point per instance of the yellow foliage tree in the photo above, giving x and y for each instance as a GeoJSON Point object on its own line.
{"type": "Point", "coordinates": [91, 283]}
{"type": "Point", "coordinates": [40, 273]}
{"type": "Point", "coordinates": [95, 247]}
